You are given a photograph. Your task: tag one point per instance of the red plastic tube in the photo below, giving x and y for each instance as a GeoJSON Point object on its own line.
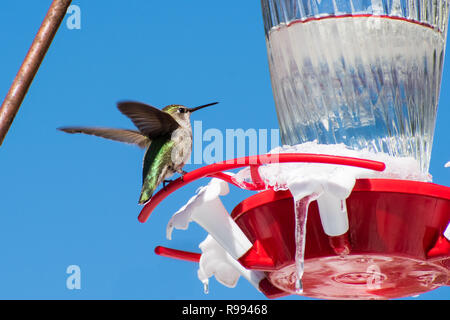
{"type": "Point", "coordinates": [216, 170]}
{"type": "Point", "coordinates": [177, 254]}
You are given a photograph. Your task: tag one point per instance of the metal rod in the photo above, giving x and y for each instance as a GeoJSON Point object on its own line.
{"type": "Point", "coordinates": [30, 65]}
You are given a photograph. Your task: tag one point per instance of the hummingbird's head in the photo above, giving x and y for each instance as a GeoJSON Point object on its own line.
{"type": "Point", "coordinates": [183, 114]}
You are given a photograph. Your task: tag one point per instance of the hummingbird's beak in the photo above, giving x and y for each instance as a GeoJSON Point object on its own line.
{"type": "Point", "coordinates": [201, 107]}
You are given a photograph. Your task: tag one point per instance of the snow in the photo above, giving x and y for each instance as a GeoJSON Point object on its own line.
{"type": "Point", "coordinates": [278, 175]}
{"type": "Point", "coordinates": [225, 242]}
{"type": "Point", "coordinates": [215, 261]}
{"type": "Point", "coordinates": [227, 270]}
{"type": "Point", "coordinates": [447, 232]}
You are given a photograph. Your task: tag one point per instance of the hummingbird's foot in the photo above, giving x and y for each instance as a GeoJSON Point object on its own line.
{"type": "Point", "coordinates": [165, 182]}
{"type": "Point", "coordinates": [182, 174]}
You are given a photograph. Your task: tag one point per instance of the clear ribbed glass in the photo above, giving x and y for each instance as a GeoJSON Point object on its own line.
{"type": "Point", "coordinates": [365, 73]}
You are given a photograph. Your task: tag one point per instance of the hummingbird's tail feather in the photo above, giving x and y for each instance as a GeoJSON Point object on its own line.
{"type": "Point", "coordinates": [121, 135]}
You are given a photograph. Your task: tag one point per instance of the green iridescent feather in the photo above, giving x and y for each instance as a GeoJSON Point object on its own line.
{"type": "Point", "coordinates": [157, 159]}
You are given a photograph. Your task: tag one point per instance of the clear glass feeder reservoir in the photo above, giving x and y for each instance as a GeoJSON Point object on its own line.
{"type": "Point", "coordinates": [365, 73]}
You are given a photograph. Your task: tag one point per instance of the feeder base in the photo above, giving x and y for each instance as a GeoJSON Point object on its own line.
{"type": "Point", "coordinates": [364, 276]}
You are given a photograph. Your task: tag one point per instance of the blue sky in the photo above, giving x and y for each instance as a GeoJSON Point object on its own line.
{"type": "Point", "coordinates": [72, 200]}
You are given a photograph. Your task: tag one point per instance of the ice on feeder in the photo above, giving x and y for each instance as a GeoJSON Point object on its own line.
{"type": "Point", "coordinates": [213, 261]}
{"type": "Point", "coordinates": [275, 174]}
{"type": "Point", "coordinates": [447, 232]}
{"type": "Point", "coordinates": [329, 184]}
{"type": "Point", "coordinates": [206, 209]}
{"type": "Point", "coordinates": [226, 241]}
{"type": "Point", "coordinates": [227, 270]}
{"type": "Point", "coordinates": [332, 184]}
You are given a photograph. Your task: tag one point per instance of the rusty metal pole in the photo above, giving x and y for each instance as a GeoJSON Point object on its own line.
{"type": "Point", "coordinates": [31, 63]}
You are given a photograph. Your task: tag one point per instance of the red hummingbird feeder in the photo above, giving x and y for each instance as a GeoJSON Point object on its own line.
{"type": "Point", "coordinates": [366, 77]}
{"type": "Point", "coordinates": [395, 243]}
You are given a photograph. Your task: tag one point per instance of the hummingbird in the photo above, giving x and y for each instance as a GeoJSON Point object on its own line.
{"type": "Point", "coordinates": [166, 135]}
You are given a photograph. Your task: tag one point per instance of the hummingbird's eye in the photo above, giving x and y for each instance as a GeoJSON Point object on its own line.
{"type": "Point", "coordinates": [181, 110]}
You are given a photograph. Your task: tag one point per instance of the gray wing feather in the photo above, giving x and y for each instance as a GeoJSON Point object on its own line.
{"type": "Point", "coordinates": [150, 121]}
{"type": "Point", "coordinates": [121, 135]}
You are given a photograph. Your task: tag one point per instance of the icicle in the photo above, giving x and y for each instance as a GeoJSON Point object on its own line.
{"type": "Point", "coordinates": [204, 278]}
{"type": "Point", "coordinates": [301, 215]}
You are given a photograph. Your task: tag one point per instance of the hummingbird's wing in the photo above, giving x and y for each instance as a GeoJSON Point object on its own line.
{"type": "Point", "coordinates": [150, 121]}
{"type": "Point", "coordinates": [121, 135]}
